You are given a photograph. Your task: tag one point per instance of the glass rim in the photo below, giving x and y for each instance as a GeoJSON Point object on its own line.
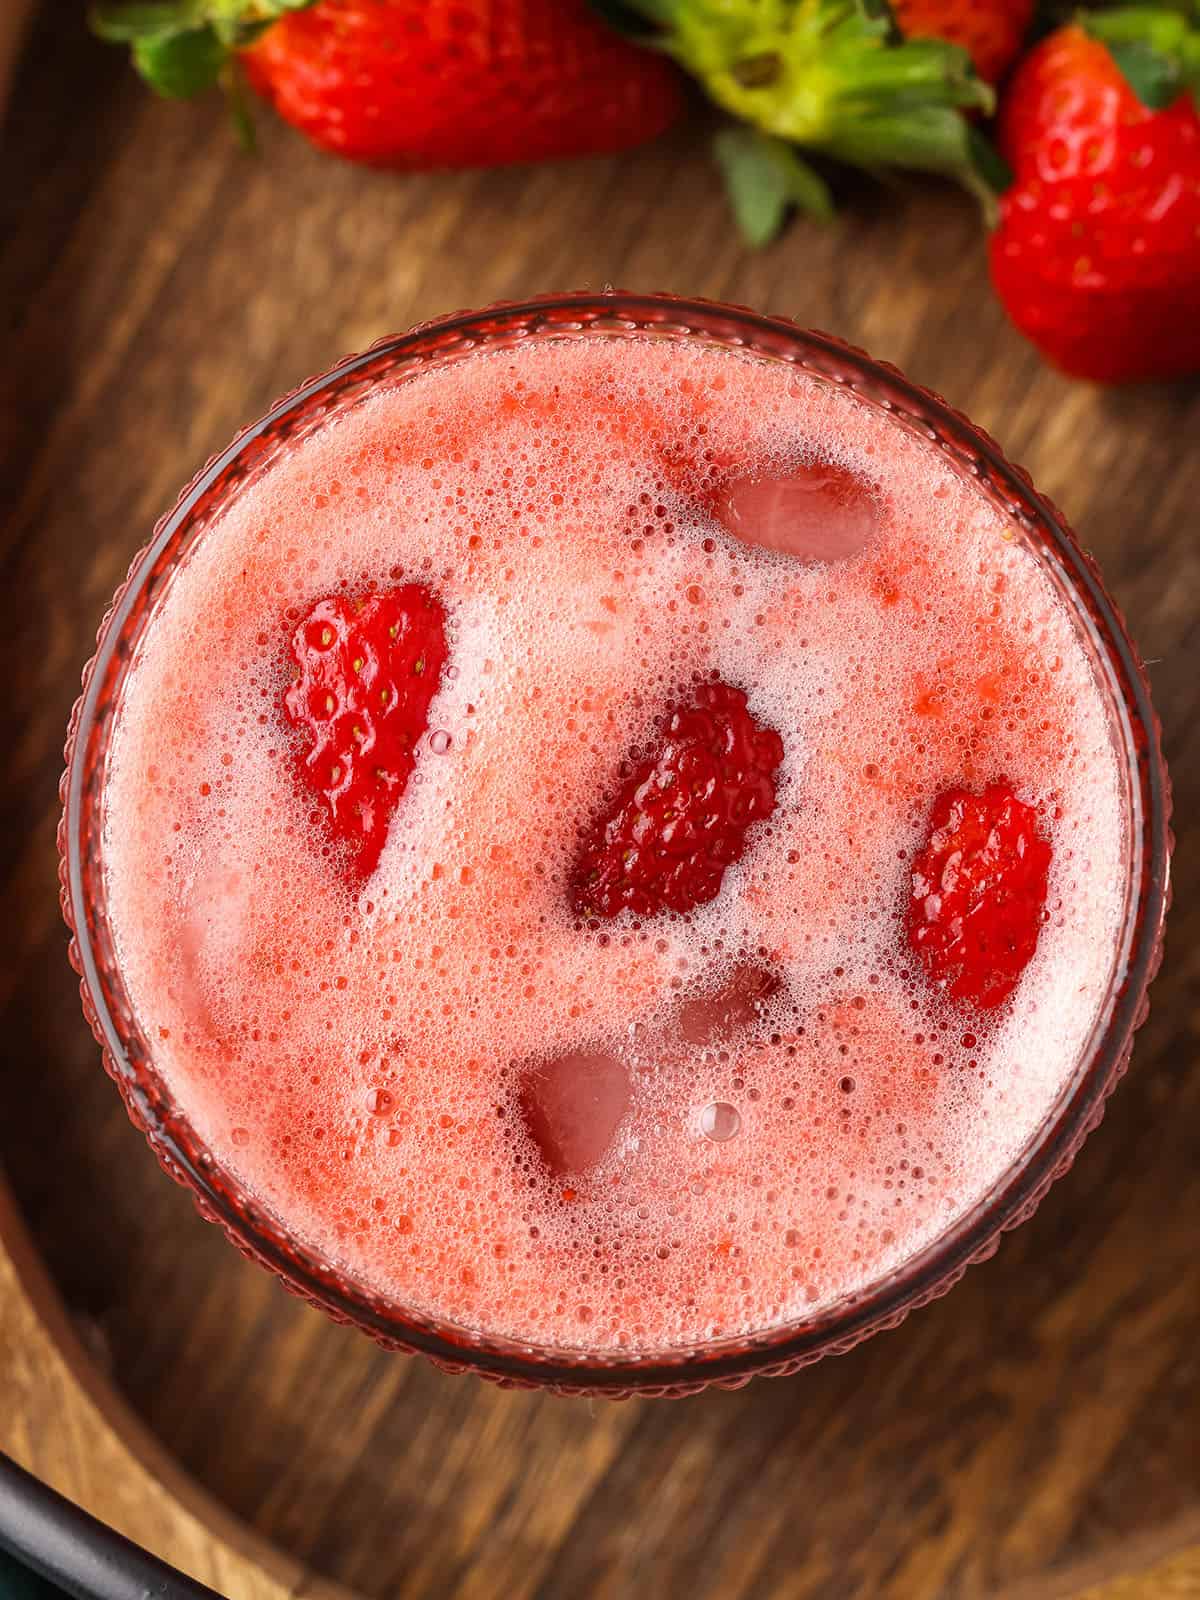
{"type": "Point", "coordinates": [976, 1233]}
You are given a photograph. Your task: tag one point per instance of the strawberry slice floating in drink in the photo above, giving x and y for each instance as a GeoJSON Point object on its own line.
{"type": "Point", "coordinates": [367, 672]}
{"type": "Point", "coordinates": [979, 894]}
{"type": "Point", "coordinates": [682, 816]}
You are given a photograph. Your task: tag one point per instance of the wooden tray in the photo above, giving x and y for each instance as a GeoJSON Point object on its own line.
{"type": "Point", "coordinates": [1032, 1434]}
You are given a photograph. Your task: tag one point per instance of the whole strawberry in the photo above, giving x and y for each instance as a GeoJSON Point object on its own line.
{"type": "Point", "coordinates": [452, 83]}
{"type": "Point", "coordinates": [366, 672]}
{"type": "Point", "coordinates": [416, 83]}
{"type": "Point", "coordinates": [1097, 254]}
{"type": "Point", "coordinates": [990, 31]}
{"type": "Point", "coordinates": [681, 817]}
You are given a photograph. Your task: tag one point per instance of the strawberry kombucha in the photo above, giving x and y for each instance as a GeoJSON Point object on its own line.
{"type": "Point", "coordinates": [424, 1039]}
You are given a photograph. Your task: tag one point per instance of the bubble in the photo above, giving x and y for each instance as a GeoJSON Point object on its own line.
{"type": "Point", "coordinates": [720, 1121]}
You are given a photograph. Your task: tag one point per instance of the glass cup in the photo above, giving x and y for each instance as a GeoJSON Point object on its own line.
{"type": "Point", "coordinates": [729, 1362]}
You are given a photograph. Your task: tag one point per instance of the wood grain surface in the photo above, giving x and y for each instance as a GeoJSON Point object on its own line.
{"type": "Point", "coordinates": [1033, 1432]}
{"type": "Point", "coordinates": [62, 1421]}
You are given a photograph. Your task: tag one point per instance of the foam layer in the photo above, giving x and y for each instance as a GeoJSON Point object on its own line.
{"type": "Point", "coordinates": [359, 1059]}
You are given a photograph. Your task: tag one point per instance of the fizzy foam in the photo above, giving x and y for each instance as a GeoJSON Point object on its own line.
{"type": "Point", "coordinates": [354, 1054]}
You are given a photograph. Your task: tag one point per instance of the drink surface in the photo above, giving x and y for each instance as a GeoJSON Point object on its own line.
{"type": "Point", "coordinates": [650, 1130]}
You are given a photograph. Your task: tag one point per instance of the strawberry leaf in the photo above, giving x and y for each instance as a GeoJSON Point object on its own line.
{"type": "Point", "coordinates": [831, 76]}
{"type": "Point", "coordinates": [181, 46]}
{"type": "Point", "coordinates": [125, 23]}
{"type": "Point", "coordinates": [1156, 48]}
{"type": "Point", "coordinates": [1154, 78]}
{"type": "Point", "coordinates": [239, 110]}
{"type": "Point", "coordinates": [179, 65]}
{"type": "Point", "coordinates": [879, 11]}
{"type": "Point", "coordinates": [988, 162]}
{"type": "Point", "coordinates": [765, 178]}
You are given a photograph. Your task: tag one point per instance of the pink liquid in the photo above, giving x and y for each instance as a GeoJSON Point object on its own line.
{"type": "Point", "coordinates": [660, 1132]}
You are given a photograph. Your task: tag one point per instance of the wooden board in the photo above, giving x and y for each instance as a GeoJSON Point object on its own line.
{"type": "Point", "coordinates": [64, 1423]}
{"type": "Point", "coordinates": [1036, 1431]}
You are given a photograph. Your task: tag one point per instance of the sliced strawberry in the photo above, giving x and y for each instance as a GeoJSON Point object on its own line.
{"type": "Point", "coordinates": [979, 894]}
{"type": "Point", "coordinates": [367, 670]}
{"type": "Point", "coordinates": [682, 815]}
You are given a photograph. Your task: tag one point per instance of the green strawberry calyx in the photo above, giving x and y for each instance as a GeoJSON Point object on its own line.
{"type": "Point", "coordinates": [825, 78]}
{"type": "Point", "coordinates": [182, 47]}
{"type": "Point", "coordinates": [1156, 48]}
{"type": "Point", "coordinates": [832, 78]}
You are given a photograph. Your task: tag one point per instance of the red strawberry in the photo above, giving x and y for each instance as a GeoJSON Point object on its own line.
{"type": "Point", "coordinates": [979, 893]}
{"type": "Point", "coordinates": [443, 83]}
{"type": "Point", "coordinates": [990, 31]}
{"type": "Point", "coordinates": [368, 669]}
{"type": "Point", "coordinates": [418, 83]}
{"type": "Point", "coordinates": [682, 815]}
{"type": "Point", "coordinates": [1097, 255]}
{"type": "Point", "coordinates": [462, 83]}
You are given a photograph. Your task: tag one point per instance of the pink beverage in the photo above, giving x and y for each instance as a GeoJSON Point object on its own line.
{"type": "Point", "coordinates": [639, 1132]}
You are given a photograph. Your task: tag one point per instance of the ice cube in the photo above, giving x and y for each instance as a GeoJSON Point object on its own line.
{"type": "Point", "coordinates": [738, 1002]}
{"type": "Point", "coordinates": [572, 1107]}
{"type": "Point", "coordinates": [819, 513]}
